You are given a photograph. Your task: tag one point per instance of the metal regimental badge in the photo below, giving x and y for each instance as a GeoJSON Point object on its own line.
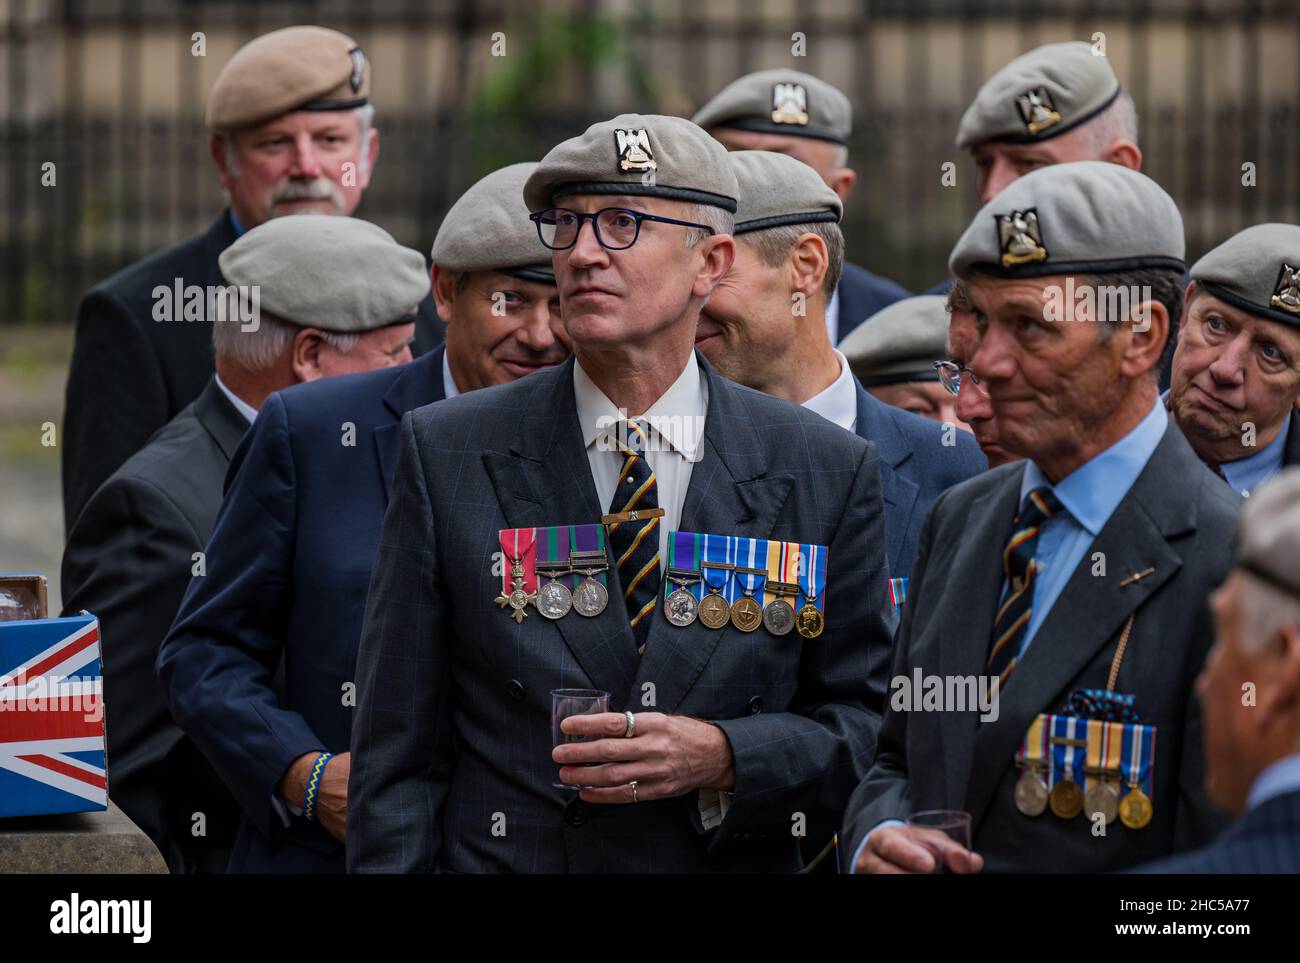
{"type": "Point", "coordinates": [1019, 238]}
{"type": "Point", "coordinates": [358, 69]}
{"type": "Point", "coordinates": [1287, 293]}
{"type": "Point", "coordinates": [789, 104]}
{"type": "Point", "coordinates": [634, 152]}
{"type": "Point", "coordinates": [1037, 110]}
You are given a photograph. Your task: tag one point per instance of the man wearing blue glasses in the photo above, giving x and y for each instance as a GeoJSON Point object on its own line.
{"type": "Point", "coordinates": [722, 747]}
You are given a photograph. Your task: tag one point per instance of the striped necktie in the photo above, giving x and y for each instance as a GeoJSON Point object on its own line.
{"type": "Point", "coordinates": [636, 544]}
{"type": "Point", "coordinates": [1019, 568]}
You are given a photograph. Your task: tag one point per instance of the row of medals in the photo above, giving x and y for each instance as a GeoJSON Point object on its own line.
{"type": "Point", "coordinates": [589, 598]}
{"type": "Point", "coordinates": [1067, 800]}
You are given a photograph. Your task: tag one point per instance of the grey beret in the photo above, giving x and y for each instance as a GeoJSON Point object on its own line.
{"type": "Point", "coordinates": [1082, 217]}
{"type": "Point", "coordinates": [1268, 534]}
{"type": "Point", "coordinates": [900, 342]}
{"type": "Point", "coordinates": [297, 68]}
{"type": "Point", "coordinates": [781, 102]}
{"type": "Point", "coordinates": [776, 189]}
{"type": "Point", "coordinates": [339, 274]}
{"type": "Point", "coordinates": [1040, 95]}
{"type": "Point", "coordinates": [488, 229]}
{"type": "Point", "coordinates": [646, 155]}
{"type": "Point", "coordinates": [1256, 270]}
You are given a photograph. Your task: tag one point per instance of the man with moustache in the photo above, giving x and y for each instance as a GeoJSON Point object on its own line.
{"type": "Point", "coordinates": [291, 133]}
{"type": "Point", "coordinates": [1235, 391]}
{"type": "Point", "coordinates": [973, 406]}
{"type": "Point", "coordinates": [794, 113]}
{"type": "Point", "coordinates": [734, 731]}
{"type": "Point", "coordinates": [1079, 571]}
{"type": "Point", "coordinates": [289, 560]}
{"type": "Point", "coordinates": [763, 327]}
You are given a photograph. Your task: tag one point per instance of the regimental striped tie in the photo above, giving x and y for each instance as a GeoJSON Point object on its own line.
{"type": "Point", "coordinates": [636, 544]}
{"type": "Point", "coordinates": [1019, 568]}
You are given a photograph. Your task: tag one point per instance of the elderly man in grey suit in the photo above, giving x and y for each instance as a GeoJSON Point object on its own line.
{"type": "Point", "coordinates": [742, 743]}
{"type": "Point", "coordinates": [1072, 580]}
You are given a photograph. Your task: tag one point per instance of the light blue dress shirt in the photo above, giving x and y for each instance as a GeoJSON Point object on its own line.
{"type": "Point", "coordinates": [1247, 474]}
{"type": "Point", "coordinates": [1089, 496]}
{"type": "Point", "coordinates": [1278, 779]}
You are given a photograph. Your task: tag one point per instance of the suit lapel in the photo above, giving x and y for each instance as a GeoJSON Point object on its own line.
{"type": "Point", "coordinates": [876, 425]}
{"type": "Point", "coordinates": [1091, 609]}
{"type": "Point", "coordinates": [545, 480]}
{"type": "Point", "coordinates": [1291, 453]}
{"type": "Point", "coordinates": [419, 384]}
{"type": "Point", "coordinates": [220, 418]}
{"type": "Point", "coordinates": [730, 492]}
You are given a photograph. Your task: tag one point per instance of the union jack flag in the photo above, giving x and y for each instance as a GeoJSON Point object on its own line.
{"type": "Point", "coordinates": [51, 717]}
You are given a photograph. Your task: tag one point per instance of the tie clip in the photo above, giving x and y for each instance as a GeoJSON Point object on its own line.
{"type": "Point", "coordinates": [1137, 577]}
{"type": "Point", "coordinates": [636, 515]}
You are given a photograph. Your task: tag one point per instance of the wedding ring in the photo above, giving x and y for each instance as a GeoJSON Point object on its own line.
{"type": "Point", "coordinates": [633, 785]}
{"type": "Point", "coordinates": [631, 724]}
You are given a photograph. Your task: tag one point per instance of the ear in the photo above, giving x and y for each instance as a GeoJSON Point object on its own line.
{"type": "Point", "coordinates": [444, 293]}
{"type": "Point", "coordinates": [1145, 345]}
{"type": "Point", "coordinates": [842, 181]}
{"type": "Point", "coordinates": [719, 252]}
{"type": "Point", "coordinates": [371, 148]}
{"type": "Point", "coordinates": [305, 355]}
{"type": "Point", "coordinates": [1125, 153]}
{"type": "Point", "coordinates": [808, 262]}
{"type": "Point", "coordinates": [1282, 698]}
{"type": "Point", "coordinates": [217, 150]}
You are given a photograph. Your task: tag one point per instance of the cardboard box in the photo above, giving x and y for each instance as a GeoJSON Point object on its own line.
{"type": "Point", "coordinates": [51, 717]}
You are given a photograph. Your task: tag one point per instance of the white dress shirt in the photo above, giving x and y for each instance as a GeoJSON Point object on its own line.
{"type": "Point", "coordinates": [833, 316]}
{"type": "Point", "coordinates": [448, 382]}
{"type": "Point", "coordinates": [675, 440]}
{"type": "Point", "coordinates": [838, 403]}
{"type": "Point", "coordinates": [242, 406]}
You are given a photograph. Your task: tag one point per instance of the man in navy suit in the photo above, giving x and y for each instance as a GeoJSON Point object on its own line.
{"type": "Point", "coordinates": [1250, 694]}
{"type": "Point", "coordinates": [290, 555]}
{"type": "Point", "coordinates": [794, 113]}
{"type": "Point", "coordinates": [762, 326]}
{"type": "Point", "coordinates": [743, 740]}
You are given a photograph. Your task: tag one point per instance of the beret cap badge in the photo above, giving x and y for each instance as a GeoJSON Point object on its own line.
{"type": "Point", "coordinates": [789, 104]}
{"type": "Point", "coordinates": [358, 68]}
{"type": "Point", "coordinates": [1019, 238]}
{"type": "Point", "coordinates": [634, 152]}
{"type": "Point", "coordinates": [1037, 110]}
{"type": "Point", "coordinates": [1286, 295]}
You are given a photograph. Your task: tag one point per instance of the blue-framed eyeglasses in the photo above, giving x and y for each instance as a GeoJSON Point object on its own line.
{"type": "Point", "coordinates": [617, 228]}
{"type": "Point", "coordinates": [951, 373]}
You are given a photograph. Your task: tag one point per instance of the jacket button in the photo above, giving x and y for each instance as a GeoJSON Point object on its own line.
{"type": "Point", "coordinates": [515, 689]}
{"type": "Point", "coordinates": [755, 705]}
{"type": "Point", "coordinates": [575, 814]}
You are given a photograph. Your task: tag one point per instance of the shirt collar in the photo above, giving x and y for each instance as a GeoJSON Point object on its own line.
{"type": "Point", "coordinates": [1278, 779]}
{"type": "Point", "coordinates": [833, 314]}
{"type": "Point", "coordinates": [448, 382]}
{"type": "Point", "coordinates": [838, 402]}
{"type": "Point", "coordinates": [242, 406]}
{"type": "Point", "coordinates": [677, 416]}
{"type": "Point", "coordinates": [1247, 474]}
{"type": "Point", "coordinates": [1093, 491]}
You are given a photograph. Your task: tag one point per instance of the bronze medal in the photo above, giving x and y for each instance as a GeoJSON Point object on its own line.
{"type": "Point", "coordinates": [1135, 808]}
{"type": "Point", "coordinates": [714, 611]}
{"type": "Point", "coordinates": [746, 614]}
{"type": "Point", "coordinates": [1031, 794]}
{"type": "Point", "coordinates": [1102, 798]}
{"type": "Point", "coordinates": [1066, 799]}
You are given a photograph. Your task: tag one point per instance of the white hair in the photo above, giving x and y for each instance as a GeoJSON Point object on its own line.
{"type": "Point", "coordinates": [1119, 121]}
{"type": "Point", "coordinates": [1262, 611]}
{"type": "Point", "coordinates": [719, 220]}
{"type": "Point", "coordinates": [365, 115]}
{"type": "Point", "coordinates": [256, 349]}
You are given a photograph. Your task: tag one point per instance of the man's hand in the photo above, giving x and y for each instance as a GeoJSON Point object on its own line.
{"type": "Point", "coordinates": [667, 756]}
{"type": "Point", "coordinates": [909, 849]}
{"type": "Point", "coordinates": [331, 794]}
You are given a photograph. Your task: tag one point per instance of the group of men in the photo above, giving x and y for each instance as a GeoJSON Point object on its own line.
{"type": "Point", "coordinates": [324, 639]}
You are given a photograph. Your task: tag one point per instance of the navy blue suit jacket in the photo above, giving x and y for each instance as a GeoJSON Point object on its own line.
{"type": "Point", "coordinates": [288, 565]}
{"type": "Point", "coordinates": [916, 467]}
{"type": "Point", "coordinates": [862, 294]}
{"type": "Point", "coordinates": [1264, 840]}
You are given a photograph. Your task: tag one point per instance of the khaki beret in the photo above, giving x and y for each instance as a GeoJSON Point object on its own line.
{"type": "Point", "coordinates": [1268, 534]}
{"type": "Point", "coordinates": [1256, 270]}
{"type": "Point", "coordinates": [781, 102]}
{"type": "Point", "coordinates": [340, 274]}
{"type": "Point", "coordinates": [297, 68]}
{"type": "Point", "coordinates": [1085, 217]}
{"type": "Point", "coordinates": [1040, 95]}
{"type": "Point", "coordinates": [647, 155]}
{"type": "Point", "coordinates": [488, 229]}
{"type": "Point", "coordinates": [900, 342]}
{"type": "Point", "coordinates": [775, 189]}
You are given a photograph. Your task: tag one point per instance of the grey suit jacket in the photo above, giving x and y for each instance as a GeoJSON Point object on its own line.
{"type": "Point", "coordinates": [1178, 518]}
{"type": "Point", "coordinates": [451, 763]}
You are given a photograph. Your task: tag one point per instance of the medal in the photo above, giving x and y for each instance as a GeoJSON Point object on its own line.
{"type": "Point", "coordinates": [554, 600]}
{"type": "Point", "coordinates": [1031, 794]}
{"type": "Point", "coordinates": [746, 613]}
{"type": "Point", "coordinates": [680, 608]}
{"type": "Point", "coordinates": [714, 611]}
{"type": "Point", "coordinates": [1102, 798]}
{"type": "Point", "coordinates": [809, 621]}
{"type": "Point", "coordinates": [516, 590]}
{"type": "Point", "coordinates": [587, 557]}
{"type": "Point", "coordinates": [1135, 808]}
{"type": "Point", "coordinates": [778, 614]}
{"type": "Point", "coordinates": [1066, 798]}
{"type": "Point", "coordinates": [1102, 795]}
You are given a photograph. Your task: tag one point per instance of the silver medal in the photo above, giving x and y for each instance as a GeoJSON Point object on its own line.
{"type": "Point", "coordinates": [778, 617]}
{"type": "Point", "coordinates": [554, 600]}
{"type": "Point", "coordinates": [681, 608]}
{"type": "Point", "coordinates": [590, 597]}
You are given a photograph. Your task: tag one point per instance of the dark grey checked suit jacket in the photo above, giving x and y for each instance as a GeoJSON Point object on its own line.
{"type": "Point", "coordinates": [451, 766]}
